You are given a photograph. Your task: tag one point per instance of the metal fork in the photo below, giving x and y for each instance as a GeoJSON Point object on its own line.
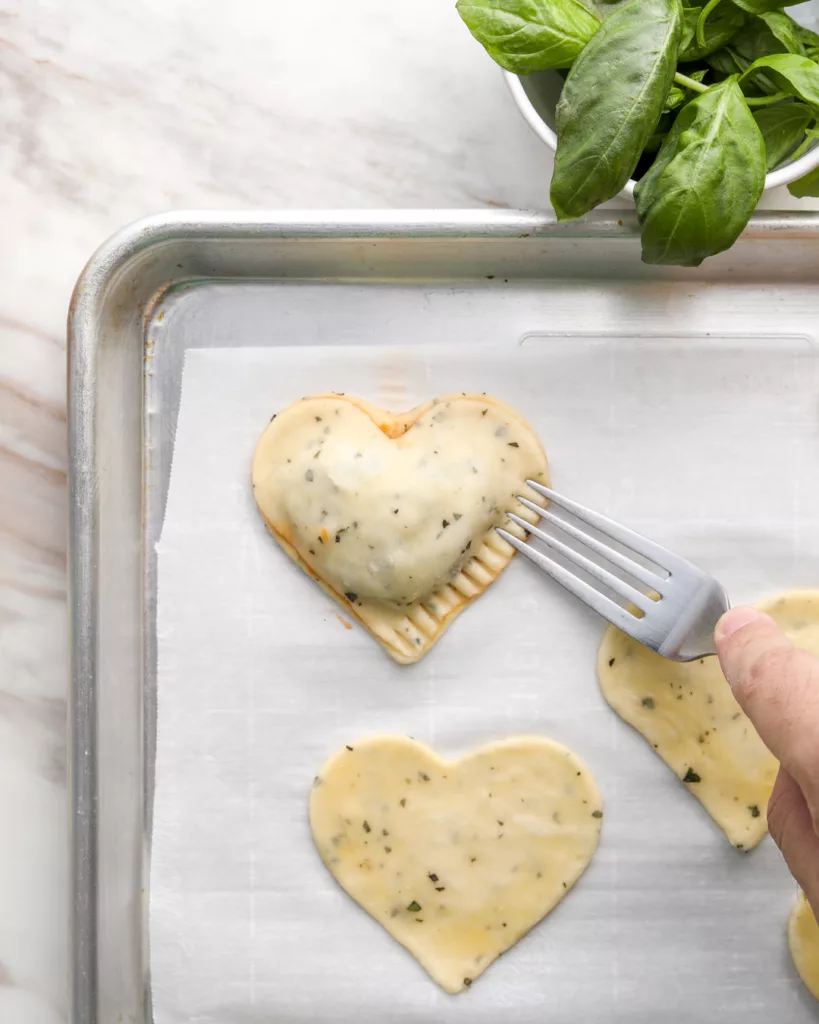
{"type": "Point", "coordinates": [677, 623]}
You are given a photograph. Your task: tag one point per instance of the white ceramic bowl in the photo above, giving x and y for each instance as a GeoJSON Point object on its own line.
{"type": "Point", "coordinates": [536, 97]}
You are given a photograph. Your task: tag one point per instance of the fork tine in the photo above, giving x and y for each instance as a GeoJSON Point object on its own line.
{"type": "Point", "coordinates": [636, 541]}
{"type": "Point", "coordinates": [639, 572]}
{"type": "Point", "coordinates": [594, 570]}
{"type": "Point", "coordinates": [610, 610]}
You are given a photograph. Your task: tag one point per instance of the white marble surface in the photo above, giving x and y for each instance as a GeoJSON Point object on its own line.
{"type": "Point", "coordinates": [110, 110]}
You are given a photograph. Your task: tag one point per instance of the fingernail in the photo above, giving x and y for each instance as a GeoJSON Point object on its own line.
{"type": "Point", "coordinates": [735, 619]}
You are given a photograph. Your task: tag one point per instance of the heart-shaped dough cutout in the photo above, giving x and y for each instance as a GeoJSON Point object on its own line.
{"type": "Point", "coordinates": [457, 860]}
{"type": "Point", "coordinates": [395, 516]}
{"type": "Point", "coordinates": [803, 939]}
{"type": "Point", "coordinates": [690, 717]}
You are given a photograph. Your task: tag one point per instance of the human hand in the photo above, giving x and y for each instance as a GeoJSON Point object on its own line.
{"type": "Point", "coordinates": [777, 686]}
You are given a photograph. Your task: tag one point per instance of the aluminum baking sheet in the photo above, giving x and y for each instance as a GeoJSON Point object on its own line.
{"type": "Point", "coordinates": [258, 683]}
{"type": "Point", "coordinates": [200, 281]}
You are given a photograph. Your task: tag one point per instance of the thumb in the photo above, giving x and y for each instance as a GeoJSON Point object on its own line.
{"type": "Point", "coordinates": [777, 685]}
{"type": "Point", "coordinates": [790, 823]}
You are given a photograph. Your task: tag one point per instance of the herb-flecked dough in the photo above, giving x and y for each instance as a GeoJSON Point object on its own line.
{"type": "Point", "coordinates": [689, 717]}
{"type": "Point", "coordinates": [395, 515]}
{"type": "Point", "coordinates": [457, 860]}
{"type": "Point", "coordinates": [803, 940]}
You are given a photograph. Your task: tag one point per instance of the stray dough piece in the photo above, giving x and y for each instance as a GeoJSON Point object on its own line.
{"type": "Point", "coordinates": [690, 717]}
{"type": "Point", "coordinates": [803, 939]}
{"type": "Point", "coordinates": [457, 860]}
{"type": "Point", "coordinates": [395, 515]}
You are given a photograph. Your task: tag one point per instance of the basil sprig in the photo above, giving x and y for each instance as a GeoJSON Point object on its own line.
{"type": "Point", "coordinates": [697, 99]}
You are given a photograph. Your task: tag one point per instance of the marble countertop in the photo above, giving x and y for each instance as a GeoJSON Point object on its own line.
{"type": "Point", "coordinates": [111, 111]}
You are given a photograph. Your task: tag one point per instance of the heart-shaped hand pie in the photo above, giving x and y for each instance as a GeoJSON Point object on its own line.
{"type": "Point", "coordinates": [690, 717]}
{"type": "Point", "coordinates": [394, 515]}
{"type": "Point", "coordinates": [803, 939]}
{"type": "Point", "coordinates": [457, 860]}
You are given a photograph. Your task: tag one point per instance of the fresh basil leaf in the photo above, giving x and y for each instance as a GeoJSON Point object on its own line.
{"type": "Point", "coordinates": [783, 128]}
{"type": "Point", "coordinates": [727, 62]}
{"type": "Point", "coordinates": [797, 76]}
{"type": "Point", "coordinates": [807, 186]}
{"type": "Point", "coordinates": [676, 97]}
{"type": "Point", "coordinates": [703, 187]}
{"type": "Point", "coordinates": [785, 30]}
{"type": "Point", "coordinates": [763, 6]}
{"type": "Point", "coordinates": [810, 40]}
{"type": "Point", "coordinates": [656, 139]}
{"type": "Point", "coordinates": [612, 99]}
{"type": "Point", "coordinates": [766, 35]}
{"type": "Point", "coordinates": [530, 35]}
{"type": "Point", "coordinates": [757, 40]}
{"type": "Point", "coordinates": [720, 29]}
{"type": "Point", "coordinates": [654, 143]}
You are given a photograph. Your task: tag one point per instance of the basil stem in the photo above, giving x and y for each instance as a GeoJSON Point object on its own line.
{"type": "Point", "coordinates": [700, 192]}
{"type": "Point", "coordinates": [611, 102]}
{"type": "Point", "coordinates": [703, 18]}
{"type": "Point", "coordinates": [680, 93]}
{"type": "Point", "coordinates": [807, 143]}
{"type": "Point", "coordinates": [719, 31]}
{"type": "Point", "coordinates": [766, 101]}
{"type": "Point", "coordinates": [689, 83]}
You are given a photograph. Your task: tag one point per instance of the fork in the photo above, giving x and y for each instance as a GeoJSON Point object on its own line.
{"type": "Point", "coordinates": [676, 620]}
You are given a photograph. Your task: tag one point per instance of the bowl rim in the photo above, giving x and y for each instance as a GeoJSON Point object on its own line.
{"type": "Point", "coordinates": [783, 175]}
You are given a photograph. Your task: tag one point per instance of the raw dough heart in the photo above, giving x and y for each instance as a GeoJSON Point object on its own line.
{"type": "Point", "coordinates": [394, 515]}
{"type": "Point", "coordinates": [690, 717]}
{"type": "Point", "coordinates": [457, 860]}
{"type": "Point", "coordinates": [803, 939]}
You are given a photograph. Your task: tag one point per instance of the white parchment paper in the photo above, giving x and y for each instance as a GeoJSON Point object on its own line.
{"type": "Point", "coordinates": [711, 446]}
